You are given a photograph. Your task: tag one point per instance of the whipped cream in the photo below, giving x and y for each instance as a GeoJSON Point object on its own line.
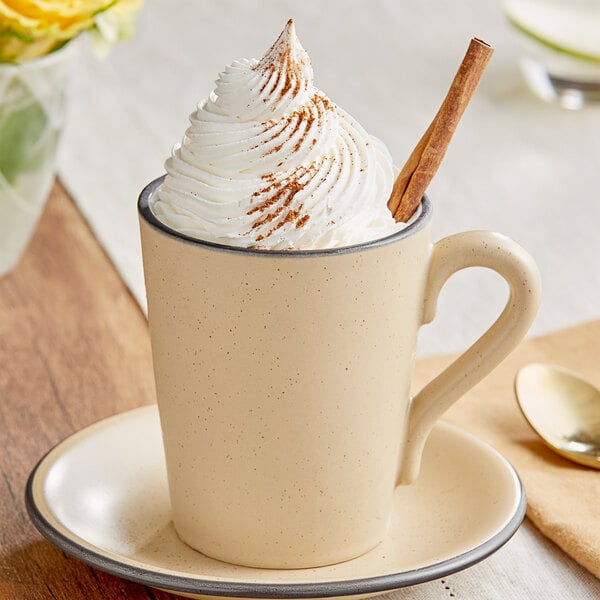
{"type": "Point", "coordinates": [270, 162]}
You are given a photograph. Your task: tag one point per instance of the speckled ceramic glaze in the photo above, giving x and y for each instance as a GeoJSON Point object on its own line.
{"type": "Point", "coordinates": [283, 382]}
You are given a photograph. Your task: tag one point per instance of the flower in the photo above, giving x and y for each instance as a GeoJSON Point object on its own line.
{"type": "Point", "coordinates": [32, 28]}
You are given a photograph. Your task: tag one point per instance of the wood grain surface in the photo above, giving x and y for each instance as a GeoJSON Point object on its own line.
{"type": "Point", "coordinates": [74, 348]}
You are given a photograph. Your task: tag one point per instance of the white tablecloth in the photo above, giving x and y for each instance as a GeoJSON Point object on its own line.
{"type": "Point", "coordinates": [515, 165]}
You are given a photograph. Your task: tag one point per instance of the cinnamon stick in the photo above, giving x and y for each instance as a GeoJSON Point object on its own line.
{"type": "Point", "coordinates": [425, 159]}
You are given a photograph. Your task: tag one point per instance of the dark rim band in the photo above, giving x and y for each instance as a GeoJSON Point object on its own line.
{"type": "Point", "coordinates": [147, 214]}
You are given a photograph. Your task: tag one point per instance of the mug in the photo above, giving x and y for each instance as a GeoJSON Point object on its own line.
{"type": "Point", "coordinates": [283, 381]}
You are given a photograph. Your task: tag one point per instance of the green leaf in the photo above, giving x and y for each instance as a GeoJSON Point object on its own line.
{"type": "Point", "coordinates": [26, 139]}
{"type": "Point", "coordinates": [20, 35]}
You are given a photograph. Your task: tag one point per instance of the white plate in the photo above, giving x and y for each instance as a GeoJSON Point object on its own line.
{"type": "Point", "coordinates": [101, 495]}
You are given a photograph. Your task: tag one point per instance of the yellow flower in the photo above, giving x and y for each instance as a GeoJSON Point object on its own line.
{"type": "Point", "coordinates": [32, 28]}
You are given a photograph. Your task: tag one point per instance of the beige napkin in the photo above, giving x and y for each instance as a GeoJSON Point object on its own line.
{"type": "Point", "coordinates": [563, 498]}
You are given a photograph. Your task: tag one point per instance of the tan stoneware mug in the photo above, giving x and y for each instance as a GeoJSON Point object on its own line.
{"type": "Point", "coordinates": [283, 381]}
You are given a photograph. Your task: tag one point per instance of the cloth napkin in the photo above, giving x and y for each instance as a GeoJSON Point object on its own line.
{"type": "Point", "coordinates": [563, 497]}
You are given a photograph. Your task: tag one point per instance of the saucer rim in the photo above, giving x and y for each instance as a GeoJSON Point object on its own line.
{"type": "Point", "coordinates": [241, 589]}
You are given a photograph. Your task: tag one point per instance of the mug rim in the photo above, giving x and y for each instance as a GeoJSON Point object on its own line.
{"type": "Point", "coordinates": [146, 213]}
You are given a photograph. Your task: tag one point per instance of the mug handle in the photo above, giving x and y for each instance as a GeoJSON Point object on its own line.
{"type": "Point", "coordinates": [449, 255]}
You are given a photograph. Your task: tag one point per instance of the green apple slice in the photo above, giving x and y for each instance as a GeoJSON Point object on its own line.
{"type": "Point", "coordinates": [568, 26]}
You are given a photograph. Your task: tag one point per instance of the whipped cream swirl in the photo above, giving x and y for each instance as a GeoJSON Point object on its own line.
{"type": "Point", "coordinates": [270, 162]}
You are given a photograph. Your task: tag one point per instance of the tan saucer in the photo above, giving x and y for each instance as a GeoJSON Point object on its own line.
{"type": "Point", "coordinates": [101, 495]}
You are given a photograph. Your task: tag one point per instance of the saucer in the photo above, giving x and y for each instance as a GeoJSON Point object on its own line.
{"type": "Point", "coordinates": [101, 495]}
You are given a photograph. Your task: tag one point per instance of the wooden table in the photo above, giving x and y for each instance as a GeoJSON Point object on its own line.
{"type": "Point", "coordinates": [74, 348]}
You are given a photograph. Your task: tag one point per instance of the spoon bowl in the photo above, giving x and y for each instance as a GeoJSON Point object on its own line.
{"type": "Point", "coordinates": [563, 410]}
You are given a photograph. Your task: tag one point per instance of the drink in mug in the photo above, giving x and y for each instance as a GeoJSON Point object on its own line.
{"type": "Point", "coordinates": [284, 327]}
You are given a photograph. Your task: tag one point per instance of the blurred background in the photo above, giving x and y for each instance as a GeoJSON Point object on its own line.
{"type": "Point", "coordinates": [517, 165]}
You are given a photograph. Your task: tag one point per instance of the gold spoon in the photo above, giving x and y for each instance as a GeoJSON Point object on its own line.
{"type": "Point", "coordinates": [563, 410]}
